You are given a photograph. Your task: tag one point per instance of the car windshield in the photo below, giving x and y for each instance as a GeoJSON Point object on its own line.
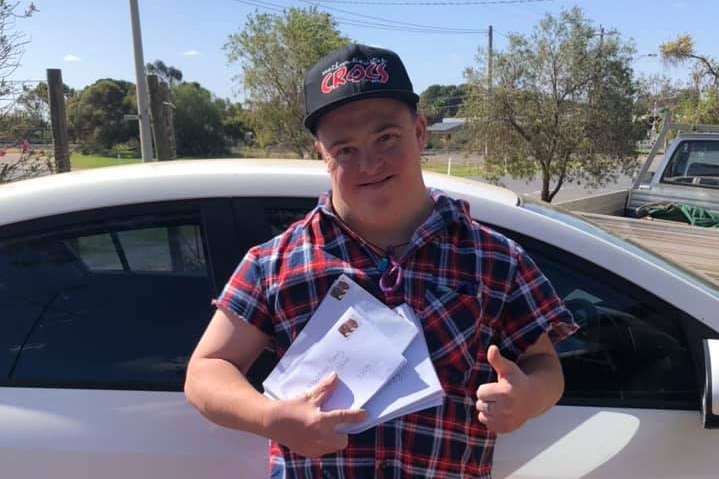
{"type": "Point", "coordinates": [585, 224]}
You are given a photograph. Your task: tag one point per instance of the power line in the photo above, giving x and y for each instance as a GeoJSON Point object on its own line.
{"type": "Point", "coordinates": [383, 24]}
{"type": "Point", "coordinates": [396, 22]}
{"type": "Point", "coordinates": [437, 3]}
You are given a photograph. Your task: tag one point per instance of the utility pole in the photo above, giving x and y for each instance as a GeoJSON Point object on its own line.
{"type": "Point", "coordinates": [58, 120]}
{"type": "Point", "coordinates": [162, 119]}
{"type": "Point", "coordinates": [490, 54]}
{"type": "Point", "coordinates": [143, 100]}
{"type": "Point", "coordinates": [489, 57]}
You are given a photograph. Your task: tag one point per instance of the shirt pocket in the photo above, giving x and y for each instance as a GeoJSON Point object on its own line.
{"type": "Point", "coordinates": [456, 337]}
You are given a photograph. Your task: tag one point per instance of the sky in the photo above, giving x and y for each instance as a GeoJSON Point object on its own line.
{"type": "Point", "coordinates": [91, 39]}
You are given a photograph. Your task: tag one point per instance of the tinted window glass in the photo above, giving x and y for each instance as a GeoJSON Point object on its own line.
{"type": "Point", "coordinates": [694, 162]}
{"type": "Point", "coordinates": [280, 219]}
{"type": "Point", "coordinates": [112, 304]}
{"type": "Point", "coordinates": [631, 350]}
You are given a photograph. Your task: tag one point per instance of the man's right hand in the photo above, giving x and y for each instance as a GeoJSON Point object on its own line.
{"type": "Point", "coordinates": [300, 425]}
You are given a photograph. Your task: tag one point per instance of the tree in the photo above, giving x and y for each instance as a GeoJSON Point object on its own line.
{"type": "Point", "coordinates": [34, 102]}
{"type": "Point", "coordinates": [168, 74]}
{"type": "Point", "coordinates": [12, 42]}
{"type": "Point", "coordinates": [13, 122]}
{"type": "Point", "coordinates": [561, 106]}
{"type": "Point", "coordinates": [198, 122]}
{"type": "Point", "coordinates": [441, 101]}
{"type": "Point", "coordinates": [681, 50]}
{"type": "Point", "coordinates": [97, 115]}
{"type": "Point", "coordinates": [235, 122]}
{"type": "Point", "coordinates": [704, 106]}
{"type": "Point", "coordinates": [274, 52]}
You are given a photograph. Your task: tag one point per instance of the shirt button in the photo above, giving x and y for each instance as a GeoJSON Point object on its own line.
{"type": "Point", "coordinates": [383, 464]}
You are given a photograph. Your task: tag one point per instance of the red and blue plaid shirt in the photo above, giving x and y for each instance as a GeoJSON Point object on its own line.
{"type": "Point", "coordinates": [470, 287]}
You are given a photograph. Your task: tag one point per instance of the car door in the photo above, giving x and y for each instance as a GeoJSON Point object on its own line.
{"type": "Point", "coordinates": [100, 312]}
{"type": "Point", "coordinates": [633, 376]}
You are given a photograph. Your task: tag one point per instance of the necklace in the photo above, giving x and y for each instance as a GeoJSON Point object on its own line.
{"type": "Point", "coordinates": [388, 265]}
{"type": "Point", "coordinates": [387, 254]}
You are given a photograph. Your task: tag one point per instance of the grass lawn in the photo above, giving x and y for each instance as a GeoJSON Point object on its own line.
{"type": "Point", "coordinates": [81, 162]}
{"type": "Point", "coordinates": [458, 169]}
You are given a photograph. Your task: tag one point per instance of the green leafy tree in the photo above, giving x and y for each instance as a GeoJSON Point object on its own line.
{"type": "Point", "coordinates": [97, 115]}
{"type": "Point", "coordinates": [198, 122]}
{"type": "Point", "coordinates": [560, 106]}
{"type": "Point", "coordinates": [235, 122]}
{"type": "Point", "coordinates": [703, 106]}
{"type": "Point", "coordinates": [34, 102]}
{"type": "Point", "coordinates": [441, 101]}
{"type": "Point", "coordinates": [274, 52]}
{"type": "Point", "coordinates": [166, 73]}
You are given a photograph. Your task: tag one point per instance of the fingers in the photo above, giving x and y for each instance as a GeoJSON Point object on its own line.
{"type": "Point", "coordinates": [499, 363]}
{"type": "Point", "coordinates": [485, 407]}
{"type": "Point", "coordinates": [322, 389]}
{"type": "Point", "coordinates": [346, 416]}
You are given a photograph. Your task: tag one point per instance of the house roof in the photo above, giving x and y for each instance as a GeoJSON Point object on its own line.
{"type": "Point", "coordinates": [445, 127]}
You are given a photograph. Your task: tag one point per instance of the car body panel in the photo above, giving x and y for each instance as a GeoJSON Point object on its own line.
{"type": "Point", "coordinates": [178, 180]}
{"type": "Point", "coordinates": [571, 442]}
{"type": "Point", "coordinates": [73, 433]}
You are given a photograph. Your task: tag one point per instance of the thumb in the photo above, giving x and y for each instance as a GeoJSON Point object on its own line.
{"type": "Point", "coordinates": [499, 363]}
{"type": "Point", "coordinates": [322, 389]}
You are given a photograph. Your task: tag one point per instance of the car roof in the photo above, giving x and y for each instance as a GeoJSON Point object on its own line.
{"type": "Point", "coordinates": [708, 136]}
{"type": "Point", "coordinates": [182, 179]}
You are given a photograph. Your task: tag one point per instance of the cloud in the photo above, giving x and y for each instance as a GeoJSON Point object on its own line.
{"type": "Point", "coordinates": [71, 58]}
{"type": "Point", "coordinates": [191, 53]}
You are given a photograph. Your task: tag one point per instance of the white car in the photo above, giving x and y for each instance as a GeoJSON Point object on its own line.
{"type": "Point", "coordinates": [106, 279]}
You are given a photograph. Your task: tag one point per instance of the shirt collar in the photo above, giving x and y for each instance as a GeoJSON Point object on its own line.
{"type": "Point", "coordinates": [446, 210]}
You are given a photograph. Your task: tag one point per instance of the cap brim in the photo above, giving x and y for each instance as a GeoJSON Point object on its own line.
{"type": "Point", "coordinates": [405, 96]}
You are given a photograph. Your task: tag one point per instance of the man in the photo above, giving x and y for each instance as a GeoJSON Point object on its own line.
{"type": "Point", "coordinates": [487, 313]}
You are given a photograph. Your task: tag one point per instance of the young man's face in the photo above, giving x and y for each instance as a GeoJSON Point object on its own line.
{"type": "Point", "coordinates": [372, 149]}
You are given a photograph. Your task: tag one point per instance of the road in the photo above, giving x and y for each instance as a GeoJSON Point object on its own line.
{"type": "Point", "coordinates": [533, 189]}
{"type": "Point", "coordinates": [10, 159]}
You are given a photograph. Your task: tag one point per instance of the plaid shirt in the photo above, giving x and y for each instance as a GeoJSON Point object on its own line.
{"type": "Point", "coordinates": [470, 287]}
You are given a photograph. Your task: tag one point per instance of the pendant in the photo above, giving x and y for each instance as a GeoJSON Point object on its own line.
{"type": "Point", "coordinates": [382, 265]}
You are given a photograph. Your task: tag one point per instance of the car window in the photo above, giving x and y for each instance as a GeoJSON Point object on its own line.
{"type": "Point", "coordinates": [695, 163]}
{"type": "Point", "coordinates": [631, 349]}
{"type": "Point", "coordinates": [262, 219]}
{"type": "Point", "coordinates": [280, 219]}
{"type": "Point", "coordinates": [112, 303]}
{"type": "Point", "coordinates": [171, 249]}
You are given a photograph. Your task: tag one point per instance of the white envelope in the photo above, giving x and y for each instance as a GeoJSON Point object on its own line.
{"type": "Point", "coordinates": [415, 387]}
{"type": "Point", "coordinates": [343, 293]}
{"type": "Point", "coordinates": [353, 347]}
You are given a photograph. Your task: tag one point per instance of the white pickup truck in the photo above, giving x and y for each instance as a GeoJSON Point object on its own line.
{"type": "Point", "coordinates": [686, 173]}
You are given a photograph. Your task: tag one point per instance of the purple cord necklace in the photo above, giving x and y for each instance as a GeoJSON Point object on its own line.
{"type": "Point", "coordinates": [388, 265]}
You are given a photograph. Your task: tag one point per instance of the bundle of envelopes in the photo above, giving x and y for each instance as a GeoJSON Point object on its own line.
{"type": "Point", "coordinates": [379, 354]}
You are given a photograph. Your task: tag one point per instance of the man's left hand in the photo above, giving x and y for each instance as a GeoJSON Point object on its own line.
{"type": "Point", "coordinates": [503, 406]}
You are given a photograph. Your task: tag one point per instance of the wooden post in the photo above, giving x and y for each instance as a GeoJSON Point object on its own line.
{"type": "Point", "coordinates": [163, 127]}
{"type": "Point", "coordinates": [58, 120]}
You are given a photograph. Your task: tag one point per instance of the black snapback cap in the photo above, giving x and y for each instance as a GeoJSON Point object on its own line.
{"type": "Point", "coordinates": [354, 72]}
